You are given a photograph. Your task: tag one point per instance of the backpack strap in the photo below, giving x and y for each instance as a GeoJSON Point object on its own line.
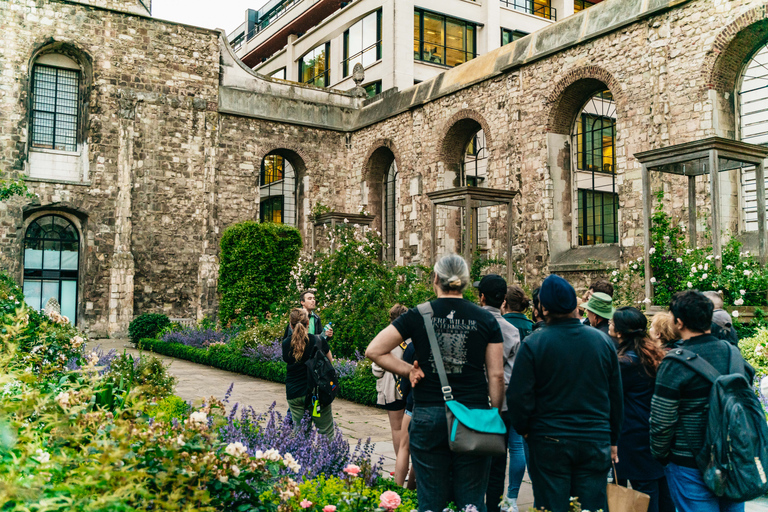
{"type": "Point", "coordinates": [736, 363]}
{"type": "Point", "coordinates": [694, 362]}
{"type": "Point", "coordinates": [426, 312]}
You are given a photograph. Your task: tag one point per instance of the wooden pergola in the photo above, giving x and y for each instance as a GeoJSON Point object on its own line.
{"type": "Point", "coordinates": [706, 156]}
{"type": "Point", "coordinates": [471, 198]}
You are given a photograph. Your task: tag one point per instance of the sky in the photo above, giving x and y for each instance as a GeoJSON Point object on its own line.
{"type": "Point", "coordinates": [226, 14]}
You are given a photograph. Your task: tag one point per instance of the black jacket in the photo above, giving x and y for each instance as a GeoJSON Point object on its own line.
{"type": "Point", "coordinates": [566, 382]}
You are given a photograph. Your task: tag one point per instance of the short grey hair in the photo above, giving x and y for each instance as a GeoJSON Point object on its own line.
{"type": "Point", "coordinates": [715, 297]}
{"type": "Point", "coordinates": [452, 273]}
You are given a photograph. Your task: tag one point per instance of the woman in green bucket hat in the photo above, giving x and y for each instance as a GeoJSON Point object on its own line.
{"type": "Point", "coordinates": [599, 311]}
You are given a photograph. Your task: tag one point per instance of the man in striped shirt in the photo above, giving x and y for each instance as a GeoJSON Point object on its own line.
{"type": "Point", "coordinates": [680, 406]}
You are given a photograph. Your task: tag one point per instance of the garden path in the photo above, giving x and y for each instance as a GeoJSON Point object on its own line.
{"type": "Point", "coordinates": [196, 381]}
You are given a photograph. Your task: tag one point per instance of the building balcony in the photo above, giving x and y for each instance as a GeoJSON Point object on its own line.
{"type": "Point", "coordinates": [534, 7]}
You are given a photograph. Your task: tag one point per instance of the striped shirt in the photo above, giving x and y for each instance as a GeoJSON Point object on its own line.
{"type": "Point", "coordinates": [680, 402]}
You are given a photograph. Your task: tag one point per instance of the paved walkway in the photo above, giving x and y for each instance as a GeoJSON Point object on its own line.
{"type": "Point", "coordinates": [197, 382]}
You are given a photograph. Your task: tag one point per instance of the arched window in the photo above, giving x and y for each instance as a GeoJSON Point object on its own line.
{"type": "Point", "coordinates": [51, 262]}
{"type": "Point", "coordinates": [594, 137]}
{"type": "Point", "coordinates": [277, 190]}
{"type": "Point", "coordinates": [57, 147]}
{"type": "Point", "coordinates": [474, 173]}
{"type": "Point", "coordinates": [753, 127]}
{"type": "Point", "coordinates": [390, 212]}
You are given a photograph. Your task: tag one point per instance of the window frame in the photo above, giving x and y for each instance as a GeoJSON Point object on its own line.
{"type": "Point", "coordinates": [77, 116]}
{"type": "Point", "coordinates": [268, 202]}
{"type": "Point", "coordinates": [582, 218]}
{"type": "Point", "coordinates": [467, 25]}
{"type": "Point", "coordinates": [346, 70]}
{"type": "Point", "coordinates": [377, 88]}
{"type": "Point", "coordinates": [326, 72]}
{"type": "Point", "coordinates": [514, 35]}
{"type": "Point", "coordinates": [284, 71]}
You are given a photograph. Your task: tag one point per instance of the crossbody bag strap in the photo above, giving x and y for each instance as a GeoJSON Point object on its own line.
{"type": "Point", "coordinates": [426, 313]}
{"type": "Point", "coordinates": [694, 362]}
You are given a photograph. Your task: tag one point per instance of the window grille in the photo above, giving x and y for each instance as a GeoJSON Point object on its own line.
{"type": "Point", "coordinates": [277, 191]}
{"type": "Point", "coordinates": [55, 94]}
{"type": "Point", "coordinates": [540, 8]}
{"type": "Point", "coordinates": [753, 127]}
{"type": "Point", "coordinates": [390, 212]}
{"type": "Point", "coordinates": [51, 262]}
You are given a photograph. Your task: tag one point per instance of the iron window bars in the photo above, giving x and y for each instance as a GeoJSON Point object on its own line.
{"type": "Point", "coordinates": [55, 95]}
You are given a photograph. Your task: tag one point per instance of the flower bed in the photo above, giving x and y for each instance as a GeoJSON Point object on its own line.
{"type": "Point", "coordinates": [356, 381]}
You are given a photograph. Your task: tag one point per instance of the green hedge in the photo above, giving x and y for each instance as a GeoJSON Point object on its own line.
{"type": "Point", "coordinates": [361, 388]}
{"type": "Point", "coordinates": [147, 325]}
{"type": "Point", "coordinates": [256, 264]}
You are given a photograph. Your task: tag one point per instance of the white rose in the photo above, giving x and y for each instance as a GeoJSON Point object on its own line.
{"type": "Point", "coordinates": [679, 260]}
{"type": "Point", "coordinates": [738, 302]}
{"type": "Point", "coordinates": [729, 267]}
{"type": "Point", "coordinates": [747, 272]}
{"type": "Point", "coordinates": [198, 417]}
{"type": "Point", "coordinates": [63, 399]}
{"type": "Point", "coordinates": [709, 257]}
{"type": "Point", "coordinates": [704, 276]}
{"type": "Point", "coordinates": [653, 279]}
{"type": "Point", "coordinates": [223, 479]}
{"type": "Point", "coordinates": [651, 250]}
{"type": "Point", "coordinates": [690, 285]}
{"type": "Point", "coordinates": [735, 314]}
{"type": "Point", "coordinates": [743, 292]}
{"type": "Point", "coordinates": [236, 471]}
{"type": "Point", "coordinates": [706, 266]}
{"type": "Point", "coordinates": [634, 266]}
{"type": "Point", "coordinates": [42, 456]}
{"type": "Point", "coordinates": [235, 449]}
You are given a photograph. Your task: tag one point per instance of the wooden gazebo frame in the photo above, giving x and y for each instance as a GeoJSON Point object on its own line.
{"type": "Point", "coordinates": [706, 156]}
{"type": "Point", "coordinates": [471, 198]}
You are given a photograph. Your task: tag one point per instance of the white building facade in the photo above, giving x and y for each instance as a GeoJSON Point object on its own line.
{"type": "Point", "coordinates": [399, 42]}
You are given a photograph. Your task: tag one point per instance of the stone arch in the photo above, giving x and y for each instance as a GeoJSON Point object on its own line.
{"type": "Point", "coordinates": [297, 158]}
{"type": "Point", "coordinates": [732, 48]}
{"type": "Point", "coordinates": [458, 132]}
{"type": "Point", "coordinates": [378, 160]}
{"type": "Point", "coordinates": [573, 90]}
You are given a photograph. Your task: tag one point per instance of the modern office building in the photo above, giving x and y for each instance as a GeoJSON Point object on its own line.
{"type": "Point", "coordinates": [399, 42]}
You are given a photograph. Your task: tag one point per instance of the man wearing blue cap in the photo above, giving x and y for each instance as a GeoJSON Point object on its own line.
{"type": "Point", "coordinates": [565, 398]}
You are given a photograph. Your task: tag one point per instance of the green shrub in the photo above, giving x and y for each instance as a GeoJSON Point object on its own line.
{"type": "Point", "coordinates": [169, 408]}
{"type": "Point", "coordinates": [145, 376]}
{"type": "Point", "coordinates": [255, 270]}
{"type": "Point", "coordinates": [147, 325]}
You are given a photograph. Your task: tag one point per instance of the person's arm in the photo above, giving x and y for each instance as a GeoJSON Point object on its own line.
{"type": "Point", "coordinates": [521, 399]}
{"type": "Point", "coordinates": [494, 365]}
{"type": "Point", "coordinates": [380, 352]}
{"type": "Point", "coordinates": [616, 398]}
{"type": "Point", "coordinates": [665, 406]}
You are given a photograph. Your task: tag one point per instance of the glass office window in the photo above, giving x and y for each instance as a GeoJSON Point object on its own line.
{"type": "Point", "coordinates": [362, 42]}
{"type": "Point", "coordinates": [442, 40]}
{"type": "Point", "coordinates": [373, 88]}
{"type": "Point", "coordinates": [507, 36]}
{"type": "Point", "coordinates": [313, 66]}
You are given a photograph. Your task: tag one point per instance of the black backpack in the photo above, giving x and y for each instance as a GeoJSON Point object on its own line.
{"type": "Point", "coordinates": [734, 458]}
{"type": "Point", "coordinates": [323, 383]}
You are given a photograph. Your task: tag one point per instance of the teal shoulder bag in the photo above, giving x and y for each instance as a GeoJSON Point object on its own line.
{"type": "Point", "coordinates": [475, 431]}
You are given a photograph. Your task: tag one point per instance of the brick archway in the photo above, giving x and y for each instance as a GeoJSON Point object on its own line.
{"type": "Point", "coordinates": [457, 133]}
{"type": "Point", "coordinates": [371, 169]}
{"type": "Point", "coordinates": [733, 47]}
{"type": "Point", "coordinates": [573, 90]}
{"type": "Point", "coordinates": [377, 162]}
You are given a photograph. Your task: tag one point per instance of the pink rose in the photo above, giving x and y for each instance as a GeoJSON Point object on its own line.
{"type": "Point", "coordinates": [389, 500]}
{"type": "Point", "coordinates": [329, 508]}
{"type": "Point", "coordinates": [351, 469]}
{"type": "Point", "coordinates": [305, 503]}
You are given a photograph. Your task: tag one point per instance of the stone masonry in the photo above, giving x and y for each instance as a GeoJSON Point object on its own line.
{"type": "Point", "coordinates": [174, 130]}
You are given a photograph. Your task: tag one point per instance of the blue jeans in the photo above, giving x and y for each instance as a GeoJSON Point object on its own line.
{"type": "Point", "coordinates": [444, 476]}
{"type": "Point", "coordinates": [517, 458]}
{"type": "Point", "coordinates": [691, 495]}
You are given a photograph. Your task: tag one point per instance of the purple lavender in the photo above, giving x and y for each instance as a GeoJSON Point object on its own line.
{"type": "Point", "coordinates": [199, 337]}
{"type": "Point", "coordinates": [270, 352]}
{"type": "Point", "coordinates": [316, 453]}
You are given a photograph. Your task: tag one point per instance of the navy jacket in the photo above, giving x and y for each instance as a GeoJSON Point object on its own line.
{"type": "Point", "coordinates": [566, 382]}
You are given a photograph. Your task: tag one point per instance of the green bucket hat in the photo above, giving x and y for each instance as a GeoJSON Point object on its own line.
{"type": "Point", "coordinates": [601, 304]}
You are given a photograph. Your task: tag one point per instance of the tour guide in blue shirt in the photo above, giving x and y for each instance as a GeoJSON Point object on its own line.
{"type": "Point", "coordinates": [565, 397]}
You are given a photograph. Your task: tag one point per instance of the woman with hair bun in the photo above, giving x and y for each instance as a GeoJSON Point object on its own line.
{"type": "Point", "coordinates": [470, 343]}
{"type": "Point", "coordinates": [639, 359]}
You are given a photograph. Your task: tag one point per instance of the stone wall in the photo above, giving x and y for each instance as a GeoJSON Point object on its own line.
{"type": "Point", "coordinates": [174, 132]}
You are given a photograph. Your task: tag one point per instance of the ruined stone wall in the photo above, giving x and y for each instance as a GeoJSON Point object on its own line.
{"type": "Point", "coordinates": [150, 113]}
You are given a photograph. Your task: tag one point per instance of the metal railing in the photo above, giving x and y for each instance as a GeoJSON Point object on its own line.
{"type": "Point", "coordinates": [530, 7]}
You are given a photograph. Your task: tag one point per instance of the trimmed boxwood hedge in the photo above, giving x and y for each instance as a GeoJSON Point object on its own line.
{"type": "Point", "coordinates": [361, 388]}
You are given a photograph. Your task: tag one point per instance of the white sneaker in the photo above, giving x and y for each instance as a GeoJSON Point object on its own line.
{"type": "Point", "coordinates": [508, 505]}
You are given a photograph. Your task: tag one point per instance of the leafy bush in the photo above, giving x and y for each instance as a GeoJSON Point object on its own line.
{"type": "Point", "coordinates": [355, 289]}
{"type": "Point", "coordinates": [169, 408]}
{"type": "Point", "coordinates": [145, 376]}
{"type": "Point", "coordinates": [147, 325]}
{"type": "Point", "coordinates": [256, 262]}
{"type": "Point", "coordinates": [675, 267]}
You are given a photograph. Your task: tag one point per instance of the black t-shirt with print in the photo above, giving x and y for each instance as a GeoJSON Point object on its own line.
{"type": "Point", "coordinates": [463, 331]}
{"type": "Point", "coordinates": [296, 377]}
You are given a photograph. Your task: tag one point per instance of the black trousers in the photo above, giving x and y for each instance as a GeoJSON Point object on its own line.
{"type": "Point", "coordinates": [560, 468]}
{"type": "Point", "coordinates": [498, 474]}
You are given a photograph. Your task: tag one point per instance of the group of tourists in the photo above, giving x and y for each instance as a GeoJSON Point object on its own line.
{"type": "Point", "coordinates": [575, 396]}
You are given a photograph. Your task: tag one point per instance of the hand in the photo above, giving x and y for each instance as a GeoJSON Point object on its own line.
{"type": "Point", "coordinates": [329, 332]}
{"type": "Point", "coordinates": [615, 454]}
{"type": "Point", "coordinates": [416, 374]}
